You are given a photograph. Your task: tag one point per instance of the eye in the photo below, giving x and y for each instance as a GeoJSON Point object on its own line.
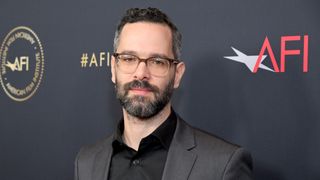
{"type": "Point", "coordinates": [158, 61]}
{"type": "Point", "coordinates": [127, 58]}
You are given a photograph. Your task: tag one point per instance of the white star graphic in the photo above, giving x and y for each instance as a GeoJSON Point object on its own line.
{"type": "Point", "coordinates": [249, 61]}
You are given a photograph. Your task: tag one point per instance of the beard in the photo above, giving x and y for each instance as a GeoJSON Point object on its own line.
{"type": "Point", "coordinates": [140, 106]}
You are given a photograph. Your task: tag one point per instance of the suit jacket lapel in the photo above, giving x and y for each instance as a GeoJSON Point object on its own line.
{"type": "Point", "coordinates": [103, 159]}
{"type": "Point", "coordinates": [180, 159]}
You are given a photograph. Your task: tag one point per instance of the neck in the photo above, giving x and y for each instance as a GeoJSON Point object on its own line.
{"type": "Point", "coordinates": [136, 129]}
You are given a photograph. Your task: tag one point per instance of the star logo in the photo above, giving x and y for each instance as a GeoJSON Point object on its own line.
{"type": "Point", "coordinates": [12, 66]}
{"type": "Point", "coordinates": [248, 60]}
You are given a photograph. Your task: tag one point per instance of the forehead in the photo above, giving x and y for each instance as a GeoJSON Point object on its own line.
{"type": "Point", "coordinates": [146, 38]}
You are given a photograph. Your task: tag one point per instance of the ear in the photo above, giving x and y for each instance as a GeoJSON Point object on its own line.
{"type": "Point", "coordinates": [180, 68]}
{"type": "Point", "coordinates": [113, 71]}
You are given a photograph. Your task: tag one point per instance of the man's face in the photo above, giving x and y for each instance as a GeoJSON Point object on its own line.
{"type": "Point", "coordinates": [142, 94]}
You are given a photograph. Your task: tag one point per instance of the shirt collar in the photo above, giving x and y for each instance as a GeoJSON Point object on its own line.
{"type": "Point", "coordinates": [164, 133]}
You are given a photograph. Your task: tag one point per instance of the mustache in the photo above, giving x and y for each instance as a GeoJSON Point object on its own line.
{"type": "Point", "coordinates": [140, 84]}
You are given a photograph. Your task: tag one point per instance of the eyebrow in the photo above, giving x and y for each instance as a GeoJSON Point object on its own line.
{"type": "Point", "coordinates": [151, 55]}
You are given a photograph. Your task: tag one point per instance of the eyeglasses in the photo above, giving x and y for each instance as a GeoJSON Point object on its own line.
{"type": "Point", "coordinates": [158, 66]}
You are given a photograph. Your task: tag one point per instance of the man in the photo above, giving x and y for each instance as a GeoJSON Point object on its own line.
{"type": "Point", "coordinates": [152, 142]}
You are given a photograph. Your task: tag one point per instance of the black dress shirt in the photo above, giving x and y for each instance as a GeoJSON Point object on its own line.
{"type": "Point", "coordinates": [148, 162]}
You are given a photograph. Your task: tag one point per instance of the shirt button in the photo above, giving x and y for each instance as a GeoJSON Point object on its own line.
{"type": "Point", "coordinates": [135, 162]}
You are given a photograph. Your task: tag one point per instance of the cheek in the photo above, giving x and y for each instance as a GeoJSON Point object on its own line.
{"type": "Point", "coordinates": [121, 78]}
{"type": "Point", "coordinates": [162, 84]}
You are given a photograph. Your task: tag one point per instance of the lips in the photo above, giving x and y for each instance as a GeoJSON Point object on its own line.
{"type": "Point", "coordinates": [140, 91]}
{"type": "Point", "coordinates": [140, 88]}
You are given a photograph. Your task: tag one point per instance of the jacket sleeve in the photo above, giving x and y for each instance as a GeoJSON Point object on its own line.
{"type": "Point", "coordinates": [239, 166]}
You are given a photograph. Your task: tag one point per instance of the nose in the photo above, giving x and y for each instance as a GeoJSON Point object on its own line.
{"type": "Point", "coordinates": [142, 72]}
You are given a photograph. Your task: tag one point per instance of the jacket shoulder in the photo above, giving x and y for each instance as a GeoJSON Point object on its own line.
{"type": "Point", "coordinates": [204, 141]}
{"type": "Point", "coordinates": [91, 157]}
{"type": "Point", "coordinates": [217, 157]}
{"type": "Point", "coordinates": [92, 149]}
{"type": "Point", "coordinates": [213, 142]}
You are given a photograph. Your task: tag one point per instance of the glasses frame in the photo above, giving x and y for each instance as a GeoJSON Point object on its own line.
{"type": "Point", "coordinates": [171, 61]}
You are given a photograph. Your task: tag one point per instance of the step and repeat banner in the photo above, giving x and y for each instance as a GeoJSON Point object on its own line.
{"type": "Point", "coordinates": [252, 77]}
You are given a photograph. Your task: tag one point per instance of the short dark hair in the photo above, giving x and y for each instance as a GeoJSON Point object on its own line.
{"type": "Point", "coordinates": [152, 15]}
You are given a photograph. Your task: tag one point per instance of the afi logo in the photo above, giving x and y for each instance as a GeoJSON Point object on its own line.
{"type": "Point", "coordinates": [19, 63]}
{"type": "Point", "coordinates": [254, 62]}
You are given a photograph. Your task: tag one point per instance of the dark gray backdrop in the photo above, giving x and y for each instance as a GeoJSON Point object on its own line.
{"type": "Point", "coordinates": [274, 115]}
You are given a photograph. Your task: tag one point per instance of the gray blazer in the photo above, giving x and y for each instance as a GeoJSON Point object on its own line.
{"type": "Point", "coordinates": [193, 155]}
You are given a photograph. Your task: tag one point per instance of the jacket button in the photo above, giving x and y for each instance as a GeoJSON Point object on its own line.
{"type": "Point", "coordinates": [135, 162]}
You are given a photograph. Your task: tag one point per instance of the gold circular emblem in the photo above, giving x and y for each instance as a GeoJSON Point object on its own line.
{"type": "Point", "coordinates": [21, 63]}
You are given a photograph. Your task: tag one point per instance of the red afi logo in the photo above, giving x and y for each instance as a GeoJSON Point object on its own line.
{"type": "Point", "coordinates": [284, 52]}
{"type": "Point", "coordinates": [254, 62]}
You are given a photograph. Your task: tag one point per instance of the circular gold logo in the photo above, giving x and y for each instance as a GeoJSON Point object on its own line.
{"type": "Point", "coordinates": [21, 63]}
